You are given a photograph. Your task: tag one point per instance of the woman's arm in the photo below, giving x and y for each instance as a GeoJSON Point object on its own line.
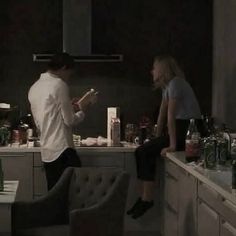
{"type": "Point", "coordinates": [171, 127]}
{"type": "Point", "coordinates": [162, 117]}
{"type": "Point", "coordinates": [171, 122]}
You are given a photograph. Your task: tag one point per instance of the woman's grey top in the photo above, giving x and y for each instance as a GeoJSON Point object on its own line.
{"type": "Point", "coordinates": [187, 104]}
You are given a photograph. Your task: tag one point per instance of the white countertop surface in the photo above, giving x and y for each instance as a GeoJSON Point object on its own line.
{"type": "Point", "coordinates": [219, 180]}
{"type": "Point", "coordinates": [9, 193]}
{"type": "Point", "coordinates": [126, 147]}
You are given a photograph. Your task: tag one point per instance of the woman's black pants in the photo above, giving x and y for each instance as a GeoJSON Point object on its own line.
{"type": "Point", "coordinates": [147, 153]}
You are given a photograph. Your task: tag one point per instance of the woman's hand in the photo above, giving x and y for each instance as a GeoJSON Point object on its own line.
{"type": "Point", "coordinates": [167, 149]}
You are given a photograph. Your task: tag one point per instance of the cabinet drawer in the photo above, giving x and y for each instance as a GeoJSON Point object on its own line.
{"type": "Point", "coordinates": [171, 191]}
{"type": "Point", "coordinates": [225, 207]}
{"type": "Point", "coordinates": [209, 195]}
{"type": "Point", "coordinates": [172, 169]}
{"type": "Point", "coordinates": [171, 222]}
{"type": "Point", "coordinates": [227, 229]}
{"type": "Point", "coordinates": [208, 220]}
{"type": "Point", "coordinates": [228, 211]}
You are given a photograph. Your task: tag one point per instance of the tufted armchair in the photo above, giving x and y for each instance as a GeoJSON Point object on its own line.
{"type": "Point", "coordinates": [84, 202]}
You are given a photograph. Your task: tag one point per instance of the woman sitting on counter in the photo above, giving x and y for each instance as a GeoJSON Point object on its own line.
{"type": "Point", "coordinates": [178, 106]}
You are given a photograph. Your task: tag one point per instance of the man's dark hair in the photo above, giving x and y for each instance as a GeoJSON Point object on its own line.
{"type": "Point", "coordinates": [60, 60]}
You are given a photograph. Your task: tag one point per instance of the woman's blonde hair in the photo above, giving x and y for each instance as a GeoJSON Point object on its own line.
{"type": "Point", "coordinates": [169, 68]}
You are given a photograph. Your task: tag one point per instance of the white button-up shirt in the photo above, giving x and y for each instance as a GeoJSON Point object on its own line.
{"type": "Point", "coordinates": [53, 115]}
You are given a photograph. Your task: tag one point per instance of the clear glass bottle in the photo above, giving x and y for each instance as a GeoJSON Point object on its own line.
{"type": "Point", "coordinates": [130, 132]}
{"type": "Point", "coordinates": [192, 143]}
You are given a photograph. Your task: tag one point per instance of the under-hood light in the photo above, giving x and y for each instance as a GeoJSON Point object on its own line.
{"type": "Point", "coordinates": [86, 58]}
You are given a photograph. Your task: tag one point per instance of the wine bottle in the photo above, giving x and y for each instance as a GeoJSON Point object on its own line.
{"type": "Point", "coordinates": [192, 142]}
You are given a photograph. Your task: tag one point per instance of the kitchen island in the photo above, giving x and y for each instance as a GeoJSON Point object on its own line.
{"type": "Point", "coordinates": [25, 164]}
{"type": "Point", "coordinates": [195, 201]}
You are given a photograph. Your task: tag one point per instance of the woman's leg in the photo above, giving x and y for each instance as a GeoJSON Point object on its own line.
{"type": "Point", "coordinates": [148, 191]}
{"type": "Point", "coordinates": [146, 155]}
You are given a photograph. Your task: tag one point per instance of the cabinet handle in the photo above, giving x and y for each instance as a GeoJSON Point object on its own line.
{"type": "Point", "coordinates": [209, 190]}
{"type": "Point", "coordinates": [229, 204]}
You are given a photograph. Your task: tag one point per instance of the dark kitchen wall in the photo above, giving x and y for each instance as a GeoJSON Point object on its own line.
{"type": "Point", "coordinates": [138, 29]}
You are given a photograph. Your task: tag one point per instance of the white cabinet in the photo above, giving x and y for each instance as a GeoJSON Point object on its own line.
{"type": "Point", "coordinates": [179, 201]}
{"type": "Point", "coordinates": [104, 159]}
{"type": "Point", "coordinates": [193, 206]}
{"type": "Point", "coordinates": [40, 182]}
{"type": "Point", "coordinates": [19, 166]}
{"type": "Point", "coordinates": [187, 204]}
{"type": "Point", "coordinates": [208, 220]}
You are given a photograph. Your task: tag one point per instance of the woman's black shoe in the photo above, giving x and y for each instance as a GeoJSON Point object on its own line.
{"type": "Point", "coordinates": [142, 207]}
{"type": "Point", "coordinates": [132, 209]}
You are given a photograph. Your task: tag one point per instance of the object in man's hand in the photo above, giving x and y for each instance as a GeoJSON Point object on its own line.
{"type": "Point", "coordinates": [89, 98]}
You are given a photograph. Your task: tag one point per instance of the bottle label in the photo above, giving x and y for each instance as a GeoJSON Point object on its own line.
{"type": "Point", "coordinates": [222, 153]}
{"type": "Point", "coordinates": [209, 155]}
{"type": "Point", "coordinates": [192, 148]}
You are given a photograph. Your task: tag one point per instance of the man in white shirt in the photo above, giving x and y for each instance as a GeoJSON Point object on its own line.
{"type": "Point", "coordinates": [55, 116]}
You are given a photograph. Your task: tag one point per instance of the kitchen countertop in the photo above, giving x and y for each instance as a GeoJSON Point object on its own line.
{"type": "Point", "coordinates": [124, 147]}
{"type": "Point", "coordinates": [219, 180]}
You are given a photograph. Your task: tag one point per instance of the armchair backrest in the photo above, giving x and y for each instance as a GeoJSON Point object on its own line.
{"type": "Point", "coordinates": [92, 185]}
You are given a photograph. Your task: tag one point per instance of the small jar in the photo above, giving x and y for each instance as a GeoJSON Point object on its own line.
{"type": "Point", "coordinates": [15, 136]}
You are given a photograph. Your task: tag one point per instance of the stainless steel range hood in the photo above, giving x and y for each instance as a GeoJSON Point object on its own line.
{"type": "Point", "coordinates": [77, 34]}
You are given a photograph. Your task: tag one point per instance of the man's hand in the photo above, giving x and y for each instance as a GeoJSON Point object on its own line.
{"type": "Point", "coordinates": [167, 149]}
{"type": "Point", "coordinates": [75, 104]}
